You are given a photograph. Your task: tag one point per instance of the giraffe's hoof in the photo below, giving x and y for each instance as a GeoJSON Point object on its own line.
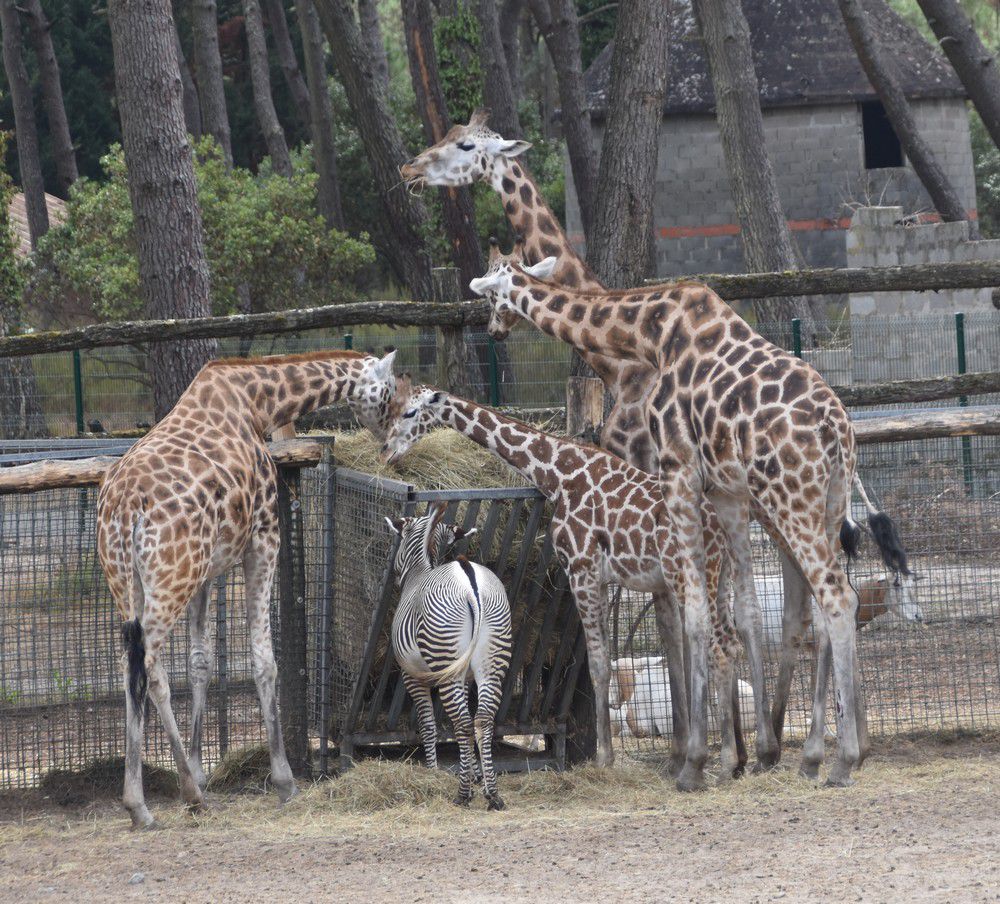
{"type": "Point", "coordinates": [147, 824]}
{"type": "Point", "coordinates": [675, 765]}
{"type": "Point", "coordinates": [287, 792]}
{"type": "Point", "coordinates": [495, 802]}
{"type": "Point", "coordinates": [691, 779]}
{"type": "Point", "coordinates": [809, 770]}
{"type": "Point", "coordinates": [766, 761]}
{"type": "Point", "coordinates": [194, 807]}
{"type": "Point", "coordinates": [839, 776]}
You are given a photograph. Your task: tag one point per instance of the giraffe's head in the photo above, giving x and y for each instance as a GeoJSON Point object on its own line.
{"type": "Point", "coordinates": [418, 416]}
{"type": "Point", "coordinates": [497, 283]}
{"type": "Point", "coordinates": [464, 156]}
{"type": "Point", "coordinates": [373, 391]}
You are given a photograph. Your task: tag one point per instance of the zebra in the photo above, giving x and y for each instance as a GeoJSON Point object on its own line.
{"type": "Point", "coordinates": [452, 620]}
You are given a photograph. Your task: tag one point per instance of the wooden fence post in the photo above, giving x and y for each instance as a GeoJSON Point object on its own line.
{"type": "Point", "coordinates": [453, 360]}
{"type": "Point", "coordinates": [292, 672]}
{"type": "Point", "coordinates": [584, 408]}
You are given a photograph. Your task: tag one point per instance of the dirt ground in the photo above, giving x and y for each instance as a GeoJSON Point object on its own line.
{"type": "Point", "coordinates": [921, 824]}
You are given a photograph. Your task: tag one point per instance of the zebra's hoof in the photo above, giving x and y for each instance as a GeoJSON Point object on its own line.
{"type": "Point", "coordinates": [462, 801]}
{"type": "Point", "coordinates": [495, 802]}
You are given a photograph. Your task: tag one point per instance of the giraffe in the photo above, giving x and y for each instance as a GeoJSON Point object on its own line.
{"type": "Point", "coordinates": [472, 153]}
{"type": "Point", "coordinates": [751, 427]}
{"type": "Point", "coordinates": [194, 496]}
{"type": "Point", "coordinates": [610, 525]}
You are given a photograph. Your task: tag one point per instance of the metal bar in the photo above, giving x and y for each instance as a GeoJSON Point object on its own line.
{"type": "Point", "coordinates": [963, 401]}
{"type": "Point", "coordinates": [348, 341]}
{"type": "Point", "coordinates": [796, 337]}
{"type": "Point", "coordinates": [494, 368]}
{"type": "Point", "coordinates": [541, 648]}
{"type": "Point", "coordinates": [324, 641]}
{"type": "Point", "coordinates": [222, 663]}
{"type": "Point", "coordinates": [503, 493]}
{"type": "Point", "coordinates": [78, 391]}
{"type": "Point", "coordinates": [569, 618]}
{"type": "Point", "coordinates": [507, 540]}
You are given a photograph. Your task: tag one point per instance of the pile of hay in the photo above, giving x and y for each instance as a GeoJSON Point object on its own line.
{"type": "Point", "coordinates": [243, 769]}
{"type": "Point", "coordinates": [104, 778]}
{"type": "Point", "coordinates": [442, 460]}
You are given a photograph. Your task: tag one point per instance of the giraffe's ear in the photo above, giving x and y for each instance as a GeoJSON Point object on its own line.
{"type": "Point", "coordinates": [383, 367]}
{"type": "Point", "coordinates": [484, 284]}
{"type": "Point", "coordinates": [543, 269]}
{"type": "Point", "coordinates": [513, 147]}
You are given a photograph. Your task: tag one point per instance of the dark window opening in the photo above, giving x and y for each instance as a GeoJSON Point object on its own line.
{"type": "Point", "coordinates": [882, 147]}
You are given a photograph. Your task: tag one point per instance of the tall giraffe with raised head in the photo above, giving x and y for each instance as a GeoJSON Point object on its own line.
{"type": "Point", "coordinates": [610, 524]}
{"type": "Point", "coordinates": [192, 498]}
{"type": "Point", "coordinates": [473, 152]}
{"type": "Point", "coordinates": [744, 423]}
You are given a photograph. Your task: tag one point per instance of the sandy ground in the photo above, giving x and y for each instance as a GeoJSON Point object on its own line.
{"type": "Point", "coordinates": [921, 824]}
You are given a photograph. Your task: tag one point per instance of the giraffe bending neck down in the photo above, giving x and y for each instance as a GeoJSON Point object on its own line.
{"type": "Point", "coordinates": [474, 152]}
{"type": "Point", "coordinates": [610, 525]}
{"type": "Point", "coordinates": [188, 501]}
{"type": "Point", "coordinates": [745, 423]}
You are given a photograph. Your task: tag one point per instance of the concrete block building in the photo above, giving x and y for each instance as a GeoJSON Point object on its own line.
{"type": "Point", "coordinates": [831, 145]}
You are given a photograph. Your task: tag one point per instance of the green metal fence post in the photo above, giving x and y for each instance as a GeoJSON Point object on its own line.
{"type": "Point", "coordinates": [494, 371]}
{"type": "Point", "coordinates": [78, 391]}
{"type": "Point", "coordinates": [348, 341]}
{"type": "Point", "coordinates": [963, 401]}
{"type": "Point", "coordinates": [796, 337]}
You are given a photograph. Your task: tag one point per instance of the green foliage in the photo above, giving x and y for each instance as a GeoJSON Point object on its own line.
{"type": "Point", "coordinates": [457, 41]}
{"type": "Point", "coordinates": [11, 273]}
{"type": "Point", "coordinates": [260, 230]}
{"type": "Point", "coordinates": [986, 157]}
{"type": "Point", "coordinates": [597, 31]}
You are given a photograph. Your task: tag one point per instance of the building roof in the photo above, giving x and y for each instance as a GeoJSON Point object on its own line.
{"type": "Point", "coordinates": [802, 54]}
{"type": "Point", "coordinates": [19, 219]}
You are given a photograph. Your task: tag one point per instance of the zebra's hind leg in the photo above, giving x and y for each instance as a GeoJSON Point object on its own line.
{"type": "Point", "coordinates": [489, 689]}
{"type": "Point", "coordinates": [420, 694]}
{"type": "Point", "coordinates": [456, 704]}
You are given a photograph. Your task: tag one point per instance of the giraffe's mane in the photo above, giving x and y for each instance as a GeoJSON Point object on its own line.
{"type": "Point", "coordinates": [275, 360]}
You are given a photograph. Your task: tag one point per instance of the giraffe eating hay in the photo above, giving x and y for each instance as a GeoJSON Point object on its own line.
{"type": "Point", "coordinates": [749, 426]}
{"type": "Point", "coordinates": [610, 525]}
{"type": "Point", "coordinates": [194, 496]}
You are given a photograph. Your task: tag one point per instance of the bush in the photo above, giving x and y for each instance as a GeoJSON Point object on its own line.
{"type": "Point", "coordinates": [261, 230]}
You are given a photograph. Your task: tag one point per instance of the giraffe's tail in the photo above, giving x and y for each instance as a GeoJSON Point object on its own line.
{"type": "Point", "coordinates": [133, 635]}
{"type": "Point", "coordinates": [884, 532]}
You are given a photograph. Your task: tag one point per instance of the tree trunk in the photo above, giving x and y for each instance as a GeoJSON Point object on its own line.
{"type": "Point", "coordinates": [320, 115]}
{"type": "Point", "coordinates": [25, 128]}
{"type": "Point", "coordinates": [974, 64]}
{"type": "Point", "coordinates": [510, 22]}
{"type": "Point", "coordinates": [263, 102]}
{"type": "Point", "coordinates": [168, 231]}
{"type": "Point", "coordinates": [498, 94]}
{"type": "Point", "coordinates": [623, 214]}
{"type": "Point", "coordinates": [52, 96]}
{"type": "Point", "coordinates": [371, 31]}
{"type": "Point", "coordinates": [767, 240]}
{"type": "Point", "coordinates": [556, 20]}
{"type": "Point", "coordinates": [192, 106]}
{"type": "Point", "coordinates": [878, 68]}
{"type": "Point", "coordinates": [405, 217]}
{"type": "Point", "coordinates": [286, 56]}
{"type": "Point", "coordinates": [208, 74]}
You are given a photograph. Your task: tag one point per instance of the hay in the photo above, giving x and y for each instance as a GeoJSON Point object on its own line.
{"type": "Point", "coordinates": [243, 769]}
{"type": "Point", "coordinates": [104, 778]}
{"type": "Point", "coordinates": [374, 785]}
{"type": "Point", "coordinates": [442, 460]}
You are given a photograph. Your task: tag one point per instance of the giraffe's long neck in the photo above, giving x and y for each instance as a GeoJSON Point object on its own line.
{"type": "Point", "coordinates": [634, 327]}
{"type": "Point", "coordinates": [530, 216]}
{"type": "Point", "coordinates": [532, 453]}
{"type": "Point", "coordinates": [272, 395]}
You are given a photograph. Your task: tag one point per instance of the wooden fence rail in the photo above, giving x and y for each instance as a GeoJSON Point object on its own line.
{"type": "Point", "coordinates": [917, 277]}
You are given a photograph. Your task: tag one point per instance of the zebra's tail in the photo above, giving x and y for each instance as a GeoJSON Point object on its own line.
{"type": "Point", "coordinates": [458, 669]}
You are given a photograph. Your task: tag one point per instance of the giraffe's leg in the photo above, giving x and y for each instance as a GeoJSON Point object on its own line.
{"type": "Point", "coordinates": [671, 629]}
{"type": "Point", "coordinates": [489, 689]}
{"type": "Point", "coordinates": [258, 568]}
{"type": "Point", "coordinates": [455, 699]}
{"type": "Point", "coordinates": [795, 619]}
{"type": "Point", "coordinates": [199, 673]}
{"type": "Point", "coordinates": [812, 751]}
{"type": "Point", "coordinates": [133, 798]}
{"type": "Point", "coordinates": [159, 691]}
{"type": "Point", "coordinates": [420, 694]}
{"type": "Point", "coordinates": [734, 515]}
{"type": "Point", "coordinates": [592, 604]}
{"type": "Point", "coordinates": [725, 685]}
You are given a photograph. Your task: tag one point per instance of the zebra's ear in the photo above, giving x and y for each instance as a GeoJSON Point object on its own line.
{"type": "Point", "coordinates": [395, 525]}
{"type": "Point", "coordinates": [463, 534]}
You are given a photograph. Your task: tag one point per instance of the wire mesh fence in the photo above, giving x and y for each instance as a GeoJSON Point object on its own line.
{"type": "Point", "coordinates": [110, 390]}
{"type": "Point", "coordinates": [931, 665]}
